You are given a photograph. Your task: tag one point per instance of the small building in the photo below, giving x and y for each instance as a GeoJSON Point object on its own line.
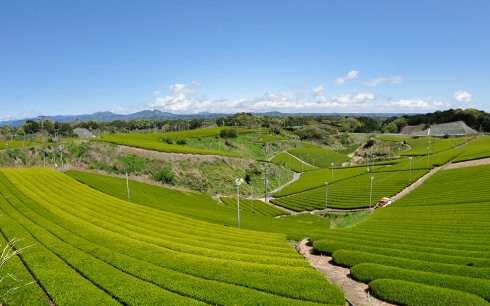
{"type": "Point", "coordinates": [83, 133]}
{"type": "Point", "coordinates": [458, 128]}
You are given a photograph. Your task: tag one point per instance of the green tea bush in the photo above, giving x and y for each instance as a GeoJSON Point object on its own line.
{"type": "Point", "coordinates": [349, 258]}
{"type": "Point", "coordinates": [120, 252]}
{"type": "Point", "coordinates": [367, 272]}
{"type": "Point", "coordinates": [408, 293]}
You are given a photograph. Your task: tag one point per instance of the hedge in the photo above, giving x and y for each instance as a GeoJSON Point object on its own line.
{"type": "Point", "coordinates": [407, 293]}
{"type": "Point", "coordinates": [367, 272]}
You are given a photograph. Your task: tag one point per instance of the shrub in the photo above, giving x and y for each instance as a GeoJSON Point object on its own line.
{"type": "Point", "coordinates": [408, 293]}
{"type": "Point", "coordinates": [168, 140]}
{"type": "Point", "coordinates": [165, 175]}
{"type": "Point", "coordinates": [369, 144]}
{"type": "Point", "coordinates": [228, 133]}
{"type": "Point", "coordinates": [133, 163]}
{"type": "Point", "coordinates": [182, 140]}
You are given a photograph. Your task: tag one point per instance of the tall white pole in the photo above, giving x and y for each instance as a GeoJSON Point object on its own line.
{"type": "Point", "coordinates": [61, 152]}
{"type": "Point", "coordinates": [279, 184]}
{"type": "Point", "coordinates": [127, 185]}
{"type": "Point", "coordinates": [428, 151]}
{"type": "Point", "coordinates": [371, 192]}
{"type": "Point", "coordinates": [238, 200]}
{"type": "Point", "coordinates": [332, 172]}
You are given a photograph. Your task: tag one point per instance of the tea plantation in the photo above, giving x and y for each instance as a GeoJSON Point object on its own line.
{"type": "Point", "coordinates": [255, 207]}
{"type": "Point", "coordinates": [98, 249]}
{"type": "Point", "coordinates": [352, 192]}
{"type": "Point", "coordinates": [432, 247]}
{"type": "Point", "coordinates": [202, 207]}
{"type": "Point", "coordinates": [292, 162]}
{"type": "Point", "coordinates": [152, 141]}
{"type": "Point", "coordinates": [322, 158]}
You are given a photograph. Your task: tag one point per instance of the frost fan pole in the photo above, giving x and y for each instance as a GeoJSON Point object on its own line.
{"type": "Point", "coordinates": [371, 192]}
{"type": "Point", "coordinates": [127, 185]}
{"type": "Point", "coordinates": [238, 183]}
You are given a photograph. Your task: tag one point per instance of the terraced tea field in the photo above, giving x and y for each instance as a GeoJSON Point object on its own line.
{"type": "Point", "coordinates": [478, 148]}
{"type": "Point", "coordinates": [292, 163]}
{"type": "Point", "coordinates": [267, 138]}
{"type": "Point", "coordinates": [202, 207]}
{"type": "Point", "coordinates": [259, 207]}
{"type": "Point", "coordinates": [102, 250]}
{"type": "Point", "coordinates": [351, 193]}
{"type": "Point", "coordinates": [419, 145]}
{"type": "Point", "coordinates": [322, 158]}
{"type": "Point", "coordinates": [151, 141]}
{"type": "Point", "coordinates": [430, 247]}
{"type": "Point", "coordinates": [314, 179]}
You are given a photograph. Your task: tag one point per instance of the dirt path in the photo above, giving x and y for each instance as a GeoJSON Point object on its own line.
{"type": "Point", "coordinates": [470, 163]}
{"type": "Point", "coordinates": [355, 292]}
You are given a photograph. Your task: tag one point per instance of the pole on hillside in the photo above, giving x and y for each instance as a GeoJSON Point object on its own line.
{"type": "Point", "coordinates": [371, 192]}
{"type": "Point", "coordinates": [428, 152]}
{"type": "Point", "coordinates": [279, 183]}
{"type": "Point", "coordinates": [238, 182]}
{"type": "Point", "coordinates": [61, 152]}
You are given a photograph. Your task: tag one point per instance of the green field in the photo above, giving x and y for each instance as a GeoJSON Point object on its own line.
{"type": "Point", "coordinates": [351, 193]}
{"type": "Point", "coordinates": [18, 144]}
{"type": "Point", "coordinates": [322, 158]}
{"type": "Point", "coordinates": [152, 141]}
{"type": "Point", "coordinates": [103, 251]}
{"type": "Point", "coordinates": [434, 240]}
{"type": "Point", "coordinates": [314, 179]}
{"type": "Point", "coordinates": [419, 145]}
{"type": "Point", "coordinates": [477, 149]}
{"type": "Point", "coordinates": [258, 207]}
{"type": "Point", "coordinates": [267, 138]}
{"type": "Point", "coordinates": [201, 207]}
{"type": "Point", "coordinates": [292, 163]}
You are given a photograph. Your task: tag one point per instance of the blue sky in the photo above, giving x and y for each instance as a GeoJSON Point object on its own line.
{"type": "Point", "coordinates": [75, 57]}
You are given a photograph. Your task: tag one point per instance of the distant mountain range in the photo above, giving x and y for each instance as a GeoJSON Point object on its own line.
{"type": "Point", "coordinates": [156, 114]}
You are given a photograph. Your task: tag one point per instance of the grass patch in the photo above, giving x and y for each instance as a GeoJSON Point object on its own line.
{"type": "Point", "coordinates": [348, 219]}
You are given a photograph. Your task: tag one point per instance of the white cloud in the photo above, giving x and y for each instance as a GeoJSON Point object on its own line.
{"type": "Point", "coordinates": [353, 98]}
{"type": "Point", "coordinates": [267, 102]}
{"type": "Point", "coordinates": [397, 79]}
{"type": "Point", "coordinates": [351, 75]}
{"type": "Point", "coordinates": [319, 90]}
{"type": "Point", "coordinates": [157, 92]}
{"type": "Point", "coordinates": [462, 96]}
{"type": "Point", "coordinates": [415, 104]}
{"type": "Point", "coordinates": [180, 98]}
